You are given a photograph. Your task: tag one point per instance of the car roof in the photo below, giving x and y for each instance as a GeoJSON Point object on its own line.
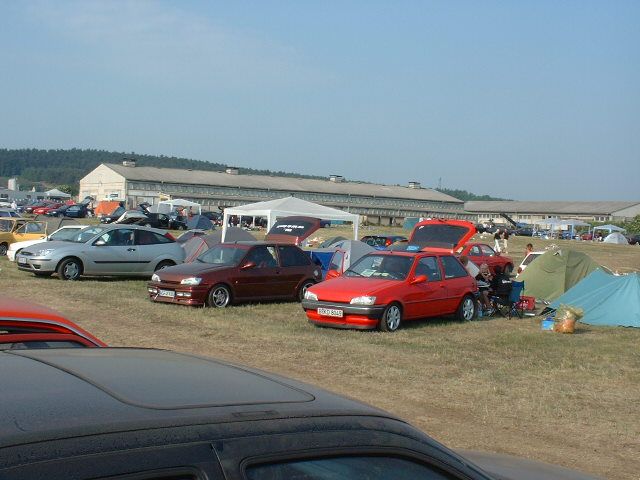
{"type": "Point", "coordinates": [103, 390]}
{"type": "Point", "coordinates": [14, 308]}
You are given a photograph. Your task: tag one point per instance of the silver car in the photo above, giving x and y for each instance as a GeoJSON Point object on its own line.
{"type": "Point", "coordinates": [125, 250]}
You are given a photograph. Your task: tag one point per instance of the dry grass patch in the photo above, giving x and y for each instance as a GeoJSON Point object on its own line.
{"type": "Point", "coordinates": [497, 384]}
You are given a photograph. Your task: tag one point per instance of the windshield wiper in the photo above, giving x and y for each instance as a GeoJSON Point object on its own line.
{"type": "Point", "coordinates": [354, 272]}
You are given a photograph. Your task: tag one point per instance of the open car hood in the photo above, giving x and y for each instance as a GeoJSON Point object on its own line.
{"type": "Point", "coordinates": [292, 230]}
{"type": "Point", "coordinates": [441, 235]}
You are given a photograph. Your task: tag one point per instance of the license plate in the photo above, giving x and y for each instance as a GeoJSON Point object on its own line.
{"type": "Point", "coordinates": [22, 260]}
{"type": "Point", "coordinates": [166, 293]}
{"type": "Point", "coordinates": [330, 312]}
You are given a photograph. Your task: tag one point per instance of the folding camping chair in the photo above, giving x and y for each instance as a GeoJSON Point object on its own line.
{"type": "Point", "coordinates": [509, 303]}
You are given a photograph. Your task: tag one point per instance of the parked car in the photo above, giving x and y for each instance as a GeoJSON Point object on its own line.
{"type": "Point", "coordinates": [124, 250]}
{"type": "Point", "coordinates": [530, 257]}
{"type": "Point", "coordinates": [381, 242]}
{"type": "Point", "coordinates": [383, 289]}
{"type": "Point", "coordinates": [480, 253]}
{"type": "Point", "coordinates": [233, 272]}
{"type": "Point", "coordinates": [26, 325]}
{"type": "Point", "coordinates": [19, 229]}
{"type": "Point", "coordinates": [138, 414]}
{"type": "Point", "coordinates": [114, 215]}
{"type": "Point", "coordinates": [62, 234]}
{"type": "Point", "coordinates": [524, 232]}
{"type": "Point", "coordinates": [78, 210]}
{"type": "Point", "coordinates": [9, 212]}
{"type": "Point", "coordinates": [29, 207]}
{"type": "Point", "coordinates": [148, 219]}
{"type": "Point", "coordinates": [58, 212]}
{"type": "Point", "coordinates": [44, 209]}
{"type": "Point", "coordinates": [633, 238]}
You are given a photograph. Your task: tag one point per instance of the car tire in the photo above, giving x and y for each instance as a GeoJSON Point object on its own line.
{"type": "Point", "coordinates": [164, 264]}
{"type": "Point", "coordinates": [467, 309]}
{"type": "Point", "coordinates": [508, 269]}
{"type": "Point", "coordinates": [219, 296]}
{"type": "Point", "coordinates": [3, 249]}
{"type": "Point", "coordinates": [70, 269]}
{"type": "Point", "coordinates": [303, 288]}
{"type": "Point", "coordinates": [391, 318]}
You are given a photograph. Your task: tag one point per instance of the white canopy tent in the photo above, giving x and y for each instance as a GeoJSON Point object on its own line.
{"type": "Point", "coordinates": [609, 228]}
{"type": "Point", "coordinates": [167, 206]}
{"type": "Point", "coordinates": [288, 207]}
{"type": "Point", "coordinates": [55, 193]}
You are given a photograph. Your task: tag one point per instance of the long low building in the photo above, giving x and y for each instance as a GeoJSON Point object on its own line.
{"type": "Point", "coordinates": [380, 204]}
{"type": "Point", "coordinates": [535, 211]}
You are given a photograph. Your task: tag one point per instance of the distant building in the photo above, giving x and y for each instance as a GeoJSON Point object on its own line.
{"type": "Point", "coordinates": [381, 204]}
{"type": "Point", "coordinates": [530, 212]}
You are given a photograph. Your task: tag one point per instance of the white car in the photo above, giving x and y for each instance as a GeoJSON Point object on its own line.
{"type": "Point", "coordinates": [62, 234]}
{"type": "Point", "coordinates": [531, 256]}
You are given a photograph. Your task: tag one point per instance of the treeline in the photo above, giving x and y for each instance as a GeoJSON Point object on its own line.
{"type": "Point", "coordinates": [466, 196]}
{"type": "Point", "coordinates": [55, 167]}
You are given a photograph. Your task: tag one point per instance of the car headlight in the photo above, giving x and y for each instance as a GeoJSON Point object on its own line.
{"type": "Point", "coordinates": [310, 296]}
{"type": "Point", "coordinates": [44, 252]}
{"type": "Point", "coordinates": [191, 281]}
{"type": "Point", "coordinates": [155, 277]}
{"type": "Point", "coordinates": [363, 300]}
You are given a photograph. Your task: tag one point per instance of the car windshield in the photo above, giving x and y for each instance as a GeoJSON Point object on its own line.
{"type": "Point", "coordinates": [64, 234]}
{"type": "Point", "coordinates": [223, 255]}
{"type": "Point", "coordinates": [86, 234]}
{"type": "Point", "coordinates": [441, 236]}
{"type": "Point", "coordinates": [73, 208]}
{"type": "Point", "coordinates": [392, 267]}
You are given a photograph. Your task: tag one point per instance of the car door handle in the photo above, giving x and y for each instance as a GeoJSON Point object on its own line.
{"type": "Point", "coordinates": [131, 249]}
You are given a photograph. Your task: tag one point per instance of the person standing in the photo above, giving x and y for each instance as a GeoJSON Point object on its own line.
{"type": "Point", "coordinates": [505, 241]}
{"type": "Point", "coordinates": [496, 238]}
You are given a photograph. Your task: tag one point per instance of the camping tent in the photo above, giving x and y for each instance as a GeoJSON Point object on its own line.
{"type": "Point", "coordinates": [341, 255]}
{"type": "Point", "coordinates": [287, 207]}
{"type": "Point", "coordinates": [555, 272]}
{"type": "Point", "coordinates": [199, 222]}
{"type": "Point", "coordinates": [617, 238]}
{"type": "Point", "coordinates": [168, 206]}
{"type": "Point", "coordinates": [199, 244]}
{"type": "Point", "coordinates": [606, 299]}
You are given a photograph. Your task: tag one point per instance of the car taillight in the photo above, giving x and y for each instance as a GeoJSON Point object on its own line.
{"type": "Point", "coordinates": [169, 236]}
{"type": "Point", "coordinates": [387, 242]}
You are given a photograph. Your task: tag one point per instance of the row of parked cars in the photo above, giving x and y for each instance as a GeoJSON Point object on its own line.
{"type": "Point", "coordinates": [74, 408]}
{"type": "Point", "coordinates": [422, 278]}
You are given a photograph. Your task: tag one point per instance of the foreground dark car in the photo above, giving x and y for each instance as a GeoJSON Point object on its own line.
{"type": "Point", "coordinates": [233, 272]}
{"type": "Point", "coordinates": [74, 414]}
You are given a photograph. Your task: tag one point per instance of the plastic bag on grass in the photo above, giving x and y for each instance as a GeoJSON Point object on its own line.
{"type": "Point", "coordinates": [566, 318]}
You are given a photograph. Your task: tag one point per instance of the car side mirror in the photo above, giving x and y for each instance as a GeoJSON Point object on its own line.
{"type": "Point", "coordinates": [100, 243]}
{"type": "Point", "coordinates": [332, 274]}
{"type": "Point", "coordinates": [419, 279]}
{"type": "Point", "coordinates": [248, 265]}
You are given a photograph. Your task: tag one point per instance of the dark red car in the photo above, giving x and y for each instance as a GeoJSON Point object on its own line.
{"type": "Point", "coordinates": [385, 288]}
{"type": "Point", "coordinates": [25, 325]}
{"type": "Point", "coordinates": [233, 272]}
{"type": "Point", "coordinates": [480, 253]}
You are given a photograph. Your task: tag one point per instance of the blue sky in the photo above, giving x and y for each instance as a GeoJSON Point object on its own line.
{"type": "Point", "coordinates": [525, 100]}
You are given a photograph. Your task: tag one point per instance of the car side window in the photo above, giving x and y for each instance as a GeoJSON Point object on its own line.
{"type": "Point", "coordinates": [453, 268]}
{"type": "Point", "coordinates": [336, 261]}
{"type": "Point", "coordinates": [36, 227]}
{"type": "Point", "coordinates": [429, 266]}
{"type": "Point", "coordinates": [5, 225]}
{"type": "Point", "coordinates": [293, 257]}
{"type": "Point", "coordinates": [263, 257]}
{"type": "Point", "coordinates": [146, 237]}
{"type": "Point", "coordinates": [487, 251]}
{"type": "Point", "coordinates": [475, 251]}
{"type": "Point", "coordinates": [347, 467]}
{"type": "Point", "coordinates": [118, 237]}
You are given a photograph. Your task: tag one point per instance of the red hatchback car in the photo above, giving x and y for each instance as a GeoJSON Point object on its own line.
{"type": "Point", "coordinates": [234, 272]}
{"type": "Point", "coordinates": [384, 288]}
{"type": "Point", "coordinates": [25, 325]}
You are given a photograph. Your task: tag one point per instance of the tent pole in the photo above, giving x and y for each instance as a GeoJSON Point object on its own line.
{"type": "Point", "coordinates": [355, 228]}
{"type": "Point", "coordinates": [225, 221]}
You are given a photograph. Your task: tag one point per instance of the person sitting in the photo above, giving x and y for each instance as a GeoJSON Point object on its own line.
{"type": "Point", "coordinates": [500, 284]}
{"type": "Point", "coordinates": [484, 279]}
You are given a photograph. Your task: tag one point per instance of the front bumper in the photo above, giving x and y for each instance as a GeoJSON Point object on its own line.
{"type": "Point", "coordinates": [195, 295]}
{"type": "Point", "coordinates": [354, 316]}
{"type": "Point", "coordinates": [35, 264]}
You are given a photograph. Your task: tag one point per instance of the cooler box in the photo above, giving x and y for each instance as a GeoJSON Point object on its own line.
{"type": "Point", "coordinates": [528, 303]}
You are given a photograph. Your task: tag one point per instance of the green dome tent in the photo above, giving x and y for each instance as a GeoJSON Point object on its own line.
{"type": "Point", "coordinates": [555, 272]}
{"type": "Point", "coordinates": [606, 299]}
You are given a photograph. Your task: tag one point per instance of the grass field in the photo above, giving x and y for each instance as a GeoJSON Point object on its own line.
{"type": "Point", "coordinates": [497, 385]}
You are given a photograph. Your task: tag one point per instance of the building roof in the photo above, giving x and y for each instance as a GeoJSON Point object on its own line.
{"type": "Point", "coordinates": [565, 208]}
{"type": "Point", "coordinates": [285, 184]}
